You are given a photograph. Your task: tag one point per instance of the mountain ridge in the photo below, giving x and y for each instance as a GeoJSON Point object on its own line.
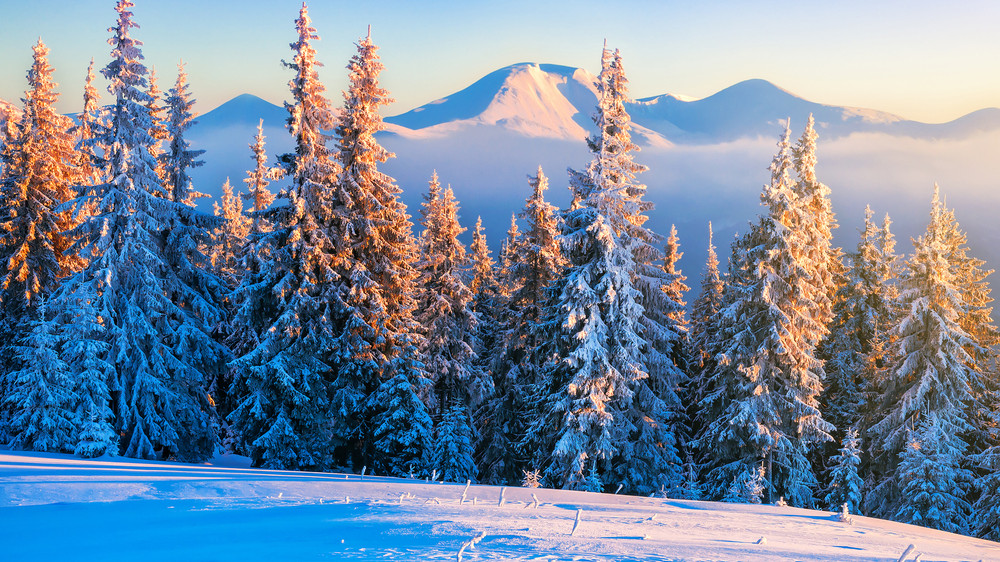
{"type": "Point", "coordinates": [554, 101]}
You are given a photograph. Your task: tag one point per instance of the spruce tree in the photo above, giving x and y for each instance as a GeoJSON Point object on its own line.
{"type": "Point", "coordinates": [403, 431]}
{"type": "Point", "coordinates": [986, 523]}
{"type": "Point", "coordinates": [257, 181]}
{"type": "Point", "coordinates": [763, 403]}
{"type": "Point", "coordinates": [40, 395]}
{"type": "Point", "coordinates": [84, 347]}
{"type": "Point", "coordinates": [39, 175]}
{"type": "Point", "coordinates": [818, 223]}
{"type": "Point", "coordinates": [932, 481]}
{"type": "Point", "coordinates": [704, 341]}
{"type": "Point", "coordinates": [231, 236]}
{"type": "Point", "coordinates": [158, 128]}
{"type": "Point", "coordinates": [281, 386]}
{"type": "Point", "coordinates": [154, 320]}
{"type": "Point", "coordinates": [863, 310]}
{"type": "Point", "coordinates": [376, 233]}
{"type": "Point", "coordinates": [538, 263]}
{"type": "Point", "coordinates": [91, 128]}
{"type": "Point", "coordinates": [449, 334]}
{"type": "Point", "coordinates": [926, 391]}
{"type": "Point", "coordinates": [178, 157]}
{"type": "Point", "coordinates": [251, 256]}
{"type": "Point", "coordinates": [608, 385]}
{"type": "Point", "coordinates": [845, 483]}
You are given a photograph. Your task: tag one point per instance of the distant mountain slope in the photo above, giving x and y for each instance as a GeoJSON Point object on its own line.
{"type": "Point", "coordinates": [243, 110]}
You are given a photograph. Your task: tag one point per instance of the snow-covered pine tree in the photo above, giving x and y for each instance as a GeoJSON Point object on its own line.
{"type": "Point", "coordinates": [926, 391]}
{"type": "Point", "coordinates": [92, 127]}
{"type": "Point", "coordinates": [487, 303]}
{"type": "Point", "coordinates": [483, 272]}
{"type": "Point", "coordinates": [40, 395]}
{"type": "Point", "coordinates": [763, 402]}
{"type": "Point", "coordinates": [231, 236]}
{"type": "Point", "coordinates": [704, 342]}
{"type": "Point", "coordinates": [241, 338]}
{"type": "Point", "coordinates": [677, 349]}
{"type": "Point", "coordinates": [864, 309]}
{"type": "Point", "coordinates": [747, 487]}
{"type": "Point", "coordinates": [158, 125]}
{"type": "Point", "coordinates": [508, 256]}
{"type": "Point", "coordinates": [403, 431]}
{"type": "Point", "coordinates": [377, 233]}
{"type": "Point", "coordinates": [39, 175]}
{"type": "Point", "coordinates": [976, 320]}
{"type": "Point", "coordinates": [822, 259]}
{"type": "Point", "coordinates": [932, 481]}
{"type": "Point", "coordinates": [675, 288]}
{"type": "Point", "coordinates": [188, 239]}
{"type": "Point", "coordinates": [606, 381]}
{"type": "Point", "coordinates": [449, 335]}
{"type": "Point", "coordinates": [178, 157]}
{"type": "Point", "coordinates": [986, 520]}
{"type": "Point", "coordinates": [845, 482]}
{"type": "Point", "coordinates": [291, 304]}
{"type": "Point", "coordinates": [538, 263]}
{"type": "Point", "coordinates": [154, 321]}
{"type": "Point", "coordinates": [656, 411]}
{"type": "Point", "coordinates": [257, 181]}
{"type": "Point", "coordinates": [84, 347]}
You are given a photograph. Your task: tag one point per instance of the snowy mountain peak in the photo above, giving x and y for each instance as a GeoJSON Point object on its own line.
{"type": "Point", "coordinates": [535, 100]}
{"type": "Point", "coordinates": [244, 109]}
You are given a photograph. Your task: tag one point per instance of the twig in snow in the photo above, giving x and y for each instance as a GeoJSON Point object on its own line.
{"type": "Point", "coordinates": [651, 517]}
{"type": "Point", "coordinates": [471, 544]}
{"type": "Point", "coordinates": [534, 497]}
{"type": "Point", "coordinates": [363, 469]}
{"type": "Point", "coordinates": [576, 523]}
{"type": "Point", "coordinates": [347, 499]}
{"type": "Point", "coordinates": [761, 540]}
{"type": "Point", "coordinates": [503, 491]}
{"type": "Point", "coordinates": [902, 557]}
{"type": "Point", "coordinates": [620, 486]}
{"type": "Point", "coordinates": [465, 491]}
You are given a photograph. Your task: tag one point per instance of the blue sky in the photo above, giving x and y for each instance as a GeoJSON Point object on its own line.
{"type": "Point", "coordinates": [926, 60]}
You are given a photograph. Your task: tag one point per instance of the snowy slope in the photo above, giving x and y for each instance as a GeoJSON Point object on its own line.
{"type": "Point", "coordinates": [61, 507]}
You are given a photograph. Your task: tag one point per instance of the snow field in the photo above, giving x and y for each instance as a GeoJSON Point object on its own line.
{"type": "Point", "coordinates": [58, 507]}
